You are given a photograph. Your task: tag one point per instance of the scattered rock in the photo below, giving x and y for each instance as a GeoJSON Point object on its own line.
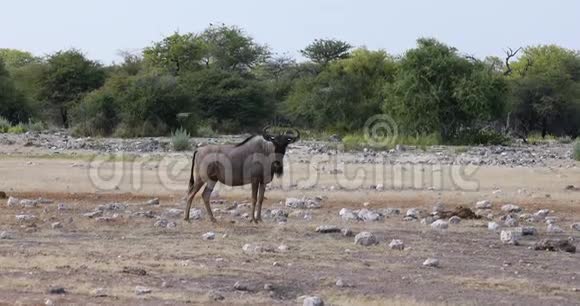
{"type": "Point", "coordinates": [431, 262]}
{"type": "Point", "coordinates": [99, 292]}
{"type": "Point", "coordinates": [111, 207]}
{"type": "Point", "coordinates": [268, 287]}
{"type": "Point", "coordinates": [215, 296]}
{"type": "Point", "coordinates": [28, 203]}
{"type": "Point", "coordinates": [5, 235]}
{"type": "Point", "coordinates": [154, 201]}
{"type": "Point", "coordinates": [367, 215]}
{"type": "Point", "coordinates": [283, 248]}
{"type": "Point", "coordinates": [390, 212]}
{"type": "Point", "coordinates": [340, 283]}
{"type": "Point", "coordinates": [208, 236]}
{"type": "Point", "coordinates": [134, 271]}
{"type": "Point", "coordinates": [575, 226]}
{"type": "Point", "coordinates": [240, 286]}
{"type": "Point", "coordinates": [25, 218]}
{"type": "Point", "coordinates": [427, 220]}
{"type": "Point", "coordinates": [397, 244]}
{"type": "Point", "coordinates": [365, 239]}
{"type": "Point", "coordinates": [511, 208]}
{"type": "Point", "coordinates": [347, 232]}
{"type": "Point", "coordinates": [461, 212]}
{"type": "Point", "coordinates": [554, 229]}
{"type": "Point", "coordinates": [327, 229]}
{"type": "Point", "coordinates": [439, 225]}
{"type": "Point", "coordinates": [254, 248]}
{"type": "Point", "coordinates": [528, 231]}
{"type": "Point", "coordinates": [454, 220]}
{"type": "Point", "coordinates": [56, 290]}
{"type": "Point", "coordinates": [541, 214]}
{"type": "Point", "coordinates": [347, 215]}
{"type": "Point", "coordinates": [93, 214]}
{"type": "Point", "coordinates": [484, 204]}
{"type": "Point", "coordinates": [493, 226]}
{"type": "Point", "coordinates": [303, 203]}
{"type": "Point", "coordinates": [510, 221]}
{"type": "Point", "coordinates": [414, 213]}
{"type": "Point", "coordinates": [313, 301]}
{"type": "Point", "coordinates": [163, 223]}
{"type": "Point", "coordinates": [12, 201]}
{"type": "Point", "coordinates": [56, 225]}
{"type": "Point", "coordinates": [140, 290]}
{"type": "Point", "coordinates": [510, 237]}
{"type": "Point", "coordinates": [176, 212]}
{"type": "Point", "coordinates": [555, 245]}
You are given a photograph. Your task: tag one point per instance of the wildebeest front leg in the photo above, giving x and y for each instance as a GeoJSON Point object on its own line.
{"type": "Point", "coordinates": [190, 195]}
{"type": "Point", "coordinates": [255, 185]}
{"type": "Point", "coordinates": [206, 195]}
{"type": "Point", "coordinates": [261, 191]}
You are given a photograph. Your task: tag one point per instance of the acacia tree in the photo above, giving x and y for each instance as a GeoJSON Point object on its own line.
{"type": "Point", "coordinates": [176, 53]}
{"type": "Point", "coordinates": [438, 91]}
{"type": "Point", "coordinates": [13, 106]}
{"type": "Point", "coordinates": [229, 48]}
{"type": "Point", "coordinates": [345, 93]}
{"type": "Point", "coordinates": [68, 77]}
{"type": "Point", "coordinates": [324, 51]}
{"type": "Point", "coordinates": [546, 91]}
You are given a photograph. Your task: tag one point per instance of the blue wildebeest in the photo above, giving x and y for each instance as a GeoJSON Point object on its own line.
{"type": "Point", "coordinates": [253, 161]}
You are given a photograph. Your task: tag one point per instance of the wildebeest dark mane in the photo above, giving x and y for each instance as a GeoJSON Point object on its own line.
{"type": "Point", "coordinates": [246, 140]}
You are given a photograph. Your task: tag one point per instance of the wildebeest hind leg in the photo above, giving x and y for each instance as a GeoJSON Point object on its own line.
{"type": "Point", "coordinates": [254, 198]}
{"type": "Point", "coordinates": [261, 191]}
{"type": "Point", "coordinates": [206, 195]}
{"type": "Point", "coordinates": [191, 194]}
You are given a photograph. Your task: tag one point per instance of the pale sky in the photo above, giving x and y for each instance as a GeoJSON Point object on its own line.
{"type": "Point", "coordinates": [102, 28]}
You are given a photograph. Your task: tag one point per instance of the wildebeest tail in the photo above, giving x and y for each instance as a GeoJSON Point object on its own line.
{"type": "Point", "coordinates": [191, 180]}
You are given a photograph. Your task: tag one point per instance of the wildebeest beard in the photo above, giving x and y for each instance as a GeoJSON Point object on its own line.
{"type": "Point", "coordinates": [277, 168]}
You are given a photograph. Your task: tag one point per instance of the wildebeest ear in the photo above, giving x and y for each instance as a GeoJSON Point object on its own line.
{"type": "Point", "coordinates": [294, 134]}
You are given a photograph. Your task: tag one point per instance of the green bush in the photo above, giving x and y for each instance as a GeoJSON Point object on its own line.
{"type": "Point", "coordinates": [577, 150]}
{"type": "Point", "coordinates": [205, 130]}
{"type": "Point", "coordinates": [35, 126]}
{"type": "Point", "coordinates": [180, 140]}
{"type": "Point", "coordinates": [480, 137]}
{"type": "Point", "coordinates": [96, 115]}
{"type": "Point", "coordinates": [4, 125]}
{"type": "Point", "coordinates": [17, 129]}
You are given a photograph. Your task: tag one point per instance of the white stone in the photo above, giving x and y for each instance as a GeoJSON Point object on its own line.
{"type": "Point", "coordinates": [493, 226]}
{"type": "Point", "coordinates": [541, 214]}
{"type": "Point", "coordinates": [484, 204]}
{"type": "Point", "coordinates": [313, 301]}
{"type": "Point", "coordinates": [140, 290]}
{"type": "Point", "coordinates": [431, 262]}
{"type": "Point", "coordinates": [365, 239]}
{"type": "Point", "coordinates": [208, 236]}
{"type": "Point", "coordinates": [439, 225]}
{"type": "Point", "coordinates": [554, 229]}
{"type": "Point", "coordinates": [25, 218]}
{"type": "Point", "coordinates": [347, 215]}
{"type": "Point", "coordinates": [510, 237]}
{"type": "Point", "coordinates": [413, 213]}
{"type": "Point", "coordinates": [510, 222]}
{"type": "Point", "coordinates": [28, 203]}
{"type": "Point", "coordinates": [397, 244]}
{"type": "Point", "coordinates": [12, 201]}
{"type": "Point", "coordinates": [368, 215]}
{"type": "Point", "coordinates": [56, 225]}
{"type": "Point", "coordinates": [511, 208]}
{"type": "Point", "coordinates": [454, 220]}
{"type": "Point", "coordinates": [575, 226]}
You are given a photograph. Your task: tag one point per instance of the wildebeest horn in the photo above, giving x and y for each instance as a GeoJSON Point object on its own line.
{"type": "Point", "coordinates": [294, 133]}
{"type": "Point", "coordinates": [265, 131]}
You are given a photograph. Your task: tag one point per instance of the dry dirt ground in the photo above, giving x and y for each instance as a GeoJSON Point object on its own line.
{"type": "Point", "coordinates": [181, 268]}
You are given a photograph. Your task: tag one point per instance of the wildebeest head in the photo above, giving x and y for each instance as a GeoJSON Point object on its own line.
{"type": "Point", "coordinates": [281, 142]}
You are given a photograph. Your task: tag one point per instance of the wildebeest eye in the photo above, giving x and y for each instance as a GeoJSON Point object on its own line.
{"type": "Point", "coordinates": [289, 139]}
